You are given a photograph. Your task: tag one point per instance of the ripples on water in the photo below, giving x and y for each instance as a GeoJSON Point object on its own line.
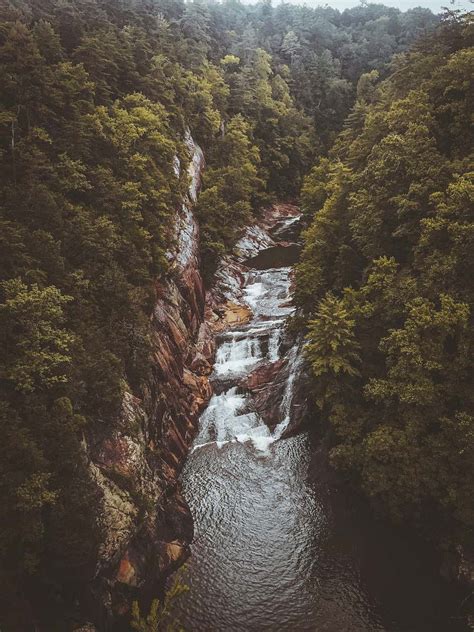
{"type": "Point", "coordinates": [278, 547]}
{"type": "Point", "coordinates": [275, 549]}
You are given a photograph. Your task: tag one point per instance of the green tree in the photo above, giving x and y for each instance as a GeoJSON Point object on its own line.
{"type": "Point", "coordinates": [332, 348]}
{"type": "Point", "coordinates": [231, 192]}
{"type": "Point", "coordinates": [37, 347]}
{"type": "Point", "coordinates": [386, 269]}
{"type": "Point", "coordinates": [160, 618]}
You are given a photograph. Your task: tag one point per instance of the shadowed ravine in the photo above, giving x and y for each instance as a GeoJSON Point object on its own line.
{"type": "Point", "coordinates": [278, 545]}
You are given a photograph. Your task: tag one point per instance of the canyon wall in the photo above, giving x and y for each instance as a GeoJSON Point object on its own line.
{"type": "Point", "coordinates": [136, 463]}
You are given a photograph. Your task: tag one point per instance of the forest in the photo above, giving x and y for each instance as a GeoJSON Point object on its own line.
{"type": "Point", "coordinates": [361, 116]}
{"type": "Point", "coordinates": [385, 281]}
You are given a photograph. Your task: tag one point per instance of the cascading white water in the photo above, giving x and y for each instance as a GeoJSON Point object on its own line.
{"type": "Point", "coordinates": [236, 355]}
{"type": "Point", "coordinates": [294, 363]}
{"type": "Point", "coordinates": [274, 344]}
{"type": "Point", "coordinates": [229, 416]}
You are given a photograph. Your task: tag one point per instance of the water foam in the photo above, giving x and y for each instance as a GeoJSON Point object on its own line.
{"type": "Point", "coordinates": [229, 417]}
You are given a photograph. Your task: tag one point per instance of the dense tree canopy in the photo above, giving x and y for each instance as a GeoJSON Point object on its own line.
{"type": "Point", "coordinates": [386, 282]}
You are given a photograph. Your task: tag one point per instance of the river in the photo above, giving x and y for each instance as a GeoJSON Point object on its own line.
{"type": "Point", "coordinates": [280, 545]}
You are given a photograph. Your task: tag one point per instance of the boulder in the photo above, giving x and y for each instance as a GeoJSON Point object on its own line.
{"type": "Point", "coordinates": [262, 376]}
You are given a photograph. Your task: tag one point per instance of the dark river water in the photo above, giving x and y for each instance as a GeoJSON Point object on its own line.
{"type": "Point", "coordinates": [279, 545]}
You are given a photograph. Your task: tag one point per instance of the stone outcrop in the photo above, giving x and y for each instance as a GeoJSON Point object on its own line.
{"type": "Point", "coordinates": [146, 523]}
{"type": "Point", "coordinates": [267, 385]}
{"type": "Point", "coordinates": [263, 376]}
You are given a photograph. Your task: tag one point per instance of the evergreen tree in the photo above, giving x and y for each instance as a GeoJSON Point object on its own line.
{"type": "Point", "coordinates": [390, 244]}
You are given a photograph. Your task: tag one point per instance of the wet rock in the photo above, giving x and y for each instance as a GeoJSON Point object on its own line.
{"type": "Point", "coordinates": [284, 231]}
{"type": "Point", "coordinates": [233, 314]}
{"type": "Point", "coordinates": [281, 222]}
{"type": "Point", "coordinates": [172, 555]}
{"type": "Point", "coordinates": [255, 239]}
{"type": "Point", "coordinates": [200, 365]}
{"type": "Point", "coordinates": [299, 414]}
{"type": "Point", "coordinates": [268, 401]}
{"type": "Point", "coordinates": [228, 283]}
{"type": "Point", "coordinates": [128, 571]}
{"type": "Point", "coordinates": [266, 385]}
{"type": "Point", "coordinates": [220, 385]}
{"type": "Point", "coordinates": [262, 376]}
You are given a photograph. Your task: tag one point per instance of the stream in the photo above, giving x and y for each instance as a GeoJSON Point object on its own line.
{"type": "Point", "coordinates": [279, 544]}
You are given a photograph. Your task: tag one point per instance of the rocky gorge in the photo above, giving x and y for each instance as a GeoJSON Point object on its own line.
{"type": "Point", "coordinates": [136, 463]}
{"type": "Point", "coordinates": [281, 543]}
{"type": "Point", "coordinates": [197, 464]}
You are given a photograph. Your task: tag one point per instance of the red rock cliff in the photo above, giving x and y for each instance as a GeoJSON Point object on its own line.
{"type": "Point", "coordinates": [136, 464]}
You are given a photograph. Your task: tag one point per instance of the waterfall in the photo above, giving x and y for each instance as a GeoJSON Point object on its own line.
{"type": "Point", "coordinates": [274, 344]}
{"type": "Point", "coordinates": [294, 365]}
{"type": "Point", "coordinates": [237, 356]}
{"type": "Point", "coordinates": [230, 416]}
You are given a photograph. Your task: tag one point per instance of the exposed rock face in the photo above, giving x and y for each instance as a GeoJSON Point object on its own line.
{"type": "Point", "coordinates": [267, 385]}
{"type": "Point", "coordinates": [262, 376]}
{"type": "Point", "coordinates": [136, 463]}
{"type": "Point", "coordinates": [146, 523]}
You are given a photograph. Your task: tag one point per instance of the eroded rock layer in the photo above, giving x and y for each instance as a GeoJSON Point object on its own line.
{"type": "Point", "coordinates": [136, 463]}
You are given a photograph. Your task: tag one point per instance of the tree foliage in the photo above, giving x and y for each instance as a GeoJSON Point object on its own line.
{"type": "Point", "coordinates": [386, 282]}
{"type": "Point", "coordinates": [160, 617]}
{"type": "Point", "coordinates": [96, 99]}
